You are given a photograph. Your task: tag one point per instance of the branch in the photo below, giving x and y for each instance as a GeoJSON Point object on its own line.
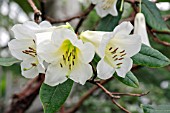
{"type": "Point", "coordinates": [129, 94]}
{"type": "Point", "coordinates": [21, 101]}
{"type": "Point", "coordinates": [37, 13]}
{"type": "Point", "coordinates": [82, 15]}
{"type": "Point", "coordinates": [84, 97]}
{"type": "Point", "coordinates": [111, 96]}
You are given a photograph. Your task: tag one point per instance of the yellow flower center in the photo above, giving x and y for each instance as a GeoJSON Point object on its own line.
{"type": "Point", "coordinates": [107, 4]}
{"type": "Point", "coordinates": [114, 56]}
{"type": "Point", "coordinates": [69, 54]}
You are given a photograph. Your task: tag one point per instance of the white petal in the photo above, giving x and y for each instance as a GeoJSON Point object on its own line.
{"type": "Point", "coordinates": [124, 28]}
{"type": "Point", "coordinates": [105, 40]}
{"type": "Point", "coordinates": [86, 51]}
{"type": "Point", "coordinates": [47, 51]}
{"type": "Point", "coordinates": [31, 25]}
{"type": "Point", "coordinates": [130, 43]}
{"type": "Point", "coordinates": [125, 67]}
{"type": "Point", "coordinates": [32, 72]}
{"type": "Point", "coordinates": [45, 24]}
{"type": "Point", "coordinates": [95, 1]}
{"type": "Point", "coordinates": [55, 75]}
{"type": "Point", "coordinates": [17, 46]}
{"type": "Point", "coordinates": [104, 70]}
{"type": "Point", "coordinates": [113, 10]}
{"type": "Point", "coordinates": [22, 32]}
{"type": "Point", "coordinates": [43, 36]}
{"type": "Point", "coordinates": [140, 28]}
{"type": "Point", "coordinates": [81, 73]}
{"type": "Point", "coordinates": [100, 11]}
{"type": "Point", "coordinates": [93, 37]}
{"type": "Point", "coordinates": [59, 35]}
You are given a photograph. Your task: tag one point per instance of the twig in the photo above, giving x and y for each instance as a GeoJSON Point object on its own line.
{"type": "Point", "coordinates": [21, 101]}
{"type": "Point", "coordinates": [161, 32]}
{"type": "Point", "coordinates": [112, 96]}
{"type": "Point", "coordinates": [85, 96]}
{"type": "Point", "coordinates": [122, 108]}
{"type": "Point", "coordinates": [82, 15]}
{"type": "Point", "coordinates": [37, 13]}
{"type": "Point", "coordinates": [130, 94]}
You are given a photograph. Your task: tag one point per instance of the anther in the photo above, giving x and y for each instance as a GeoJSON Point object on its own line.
{"type": "Point", "coordinates": [116, 59]}
{"type": "Point", "coordinates": [64, 58]}
{"type": "Point", "coordinates": [73, 62]}
{"type": "Point", "coordinates": [61, 65]}
{"type": "Point", "coordinates": [120, 58]}
{"type": "Point", "coordinates": [119, 64]}
{"type": "Point", "coordinates": [123, 55]}
{"type": "Point", "coordinates": [70, 66]}
{"type": "Point", "coordinates": [33, 64]}
{"type": "Point", "coordinates": [122, 51]}
{"type": "Point", "coordinates": [114, 51]}
{"type": "Point", "coordinates": [110, 48]}
{"type": "Point", "coordinates": [114, 56]}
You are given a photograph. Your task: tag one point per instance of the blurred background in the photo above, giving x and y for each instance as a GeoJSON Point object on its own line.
{"type": "Point", "coordinates": [157, 81]}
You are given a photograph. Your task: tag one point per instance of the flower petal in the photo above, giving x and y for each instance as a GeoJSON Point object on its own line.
{"type": "Point", "coordinates": [102, 13]}
{"type": "Point", "coordinates": [104, 70]}
{"type": "Point", "coordinates": [31, 25]}
{"type": "Point", "coordinates": [30, 73]}
{"type": "Point", "coordinates": [113, 9]}
{"type": "Point", "coordinates": [17, 46]}
{"type": "Point", "coordinates": [140, 28]}
{"type": "Point", "coordinates": [45, 24]}
{"type": "Point", "coordinates": [125, 67]}
{"type": "Point", "coordinates": [81, 73]}
{"type": "Point", "coordinates": [105, 40]}
{"type": "Point", "coordinates": [47, 51]}
{"type": "Point", "coordinates": [124, 28]}
{"type": "Point", "coordinates": [86, 51]}
{"type": "Point", "coordinates": [22, 32]}
{"type": "Point", "coordinates": [130, 43]}
{"type": "Point", "coordinates": [59, 35]}
{"type": "Point", "coordinates": [55, 75]}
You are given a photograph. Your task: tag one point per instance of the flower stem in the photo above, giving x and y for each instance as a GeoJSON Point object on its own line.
{"type": "Point", "coordinates": [140, 6]}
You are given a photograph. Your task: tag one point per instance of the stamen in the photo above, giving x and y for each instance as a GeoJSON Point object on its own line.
{"type": "Point", "coordinates": [64, 58]}
{"type": "Point", "coordinates": [114, 51]}
{"type": "Point", "coordinates": [122, 51]}
{"type": "Point", "coordinates": [73, 62]}
{"type": "Point", "coordinates": [110, 48]}
{"type": "Point", "coordinates": [70, 66]}
{"type": "Point", "coordinates": [61, 65]}
{"type": "Point", "coordinates": [33, 64]}
{"type": "Point", "coordinates": [119, 64]}
{"type": "Point", "coordinates": [123, 55]}
{"type": "Point", "coordinates": [116, 59]}
{"type": "Point", "coordinates": [120, 58]}
{"type": "Point", "coordinates": [114, 56]}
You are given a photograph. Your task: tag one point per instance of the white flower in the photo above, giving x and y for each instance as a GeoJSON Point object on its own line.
{"type": "Point", "coordinates": [140, 28]}
{"type": "Point", "coordinates": [105, 7]}
{"type": "Point", "coordinates": [24, 47]}
{"type": "Point", "coordinates": [67, 56]}
{"type": "Point", "coordinates": [115, 49]}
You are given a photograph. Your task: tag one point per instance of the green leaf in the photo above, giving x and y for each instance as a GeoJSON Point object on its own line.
{"type": "Point", "coordinates": [8, 61]}
{"type": "Point", "coordinates": [109, 22]}
{"type": "Point", "coordinates": [153, 16]}
{"type": "Point", "coordinates": [53, 98]}
{"type": "Point", "coordinates": [150, 57]}
{"type": "Point", "coordinates": [156, 109]}
{"type": "Point", "coordinates": [129, 80]}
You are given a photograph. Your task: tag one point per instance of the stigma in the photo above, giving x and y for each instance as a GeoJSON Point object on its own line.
{"type": "Point", "coordinates": [107, 4]}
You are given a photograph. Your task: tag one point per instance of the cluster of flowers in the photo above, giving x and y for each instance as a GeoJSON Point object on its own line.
{"type": "Point", "coordinates": [105, 7]}
{"type": "Point", "coordinates": [61, 54]}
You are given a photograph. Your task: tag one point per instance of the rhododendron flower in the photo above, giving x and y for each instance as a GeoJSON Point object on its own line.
{"type": "Point", "coordinates": [24, 47]}
{"type": "Point", "coordinates": [67, 56]}
{"type": "Point", "coordinates": [140, 28]}
{"type": "Point", "coordinates": [115, 49]}
{"type": "Point", "coordinates": [105, 7]}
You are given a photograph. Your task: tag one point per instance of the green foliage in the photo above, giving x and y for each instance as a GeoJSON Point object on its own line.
{"type": "Point", "coordinates": [109, 22]}
{"type": "Point", "coordinates": [153, 16]}
{"type": "Point", "coordinates": [129, 80]}
{"type": "Point", "coordinates": [156, 109]}
{"type": "Point", "coordinates": [8, 61]}
{"type": "Point", "coordinates": [150, 57]}
{"type": "Point", "coordinates": [53, 98]}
